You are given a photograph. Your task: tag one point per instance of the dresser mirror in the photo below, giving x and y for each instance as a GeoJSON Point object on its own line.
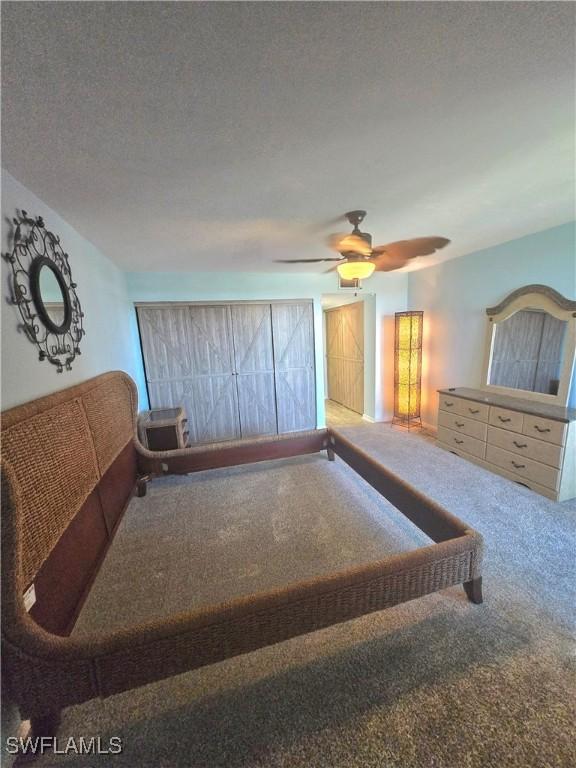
{"type": "Point", "coordinates": [530, 345]}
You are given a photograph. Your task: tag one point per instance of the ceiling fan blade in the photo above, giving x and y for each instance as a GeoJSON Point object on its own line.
{"type": "Point", "coordinates": [385, 262]}
{"type": "Point", "coordinates": [410, 249]}
{"type": "Point", "coordinates": [349, 243]}
{"type": "Point", "coordinates": [303, 261]}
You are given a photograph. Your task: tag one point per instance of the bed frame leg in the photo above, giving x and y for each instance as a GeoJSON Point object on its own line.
{"type": "Point", "coordinates": [473, 590]}
{"type": "Point", "coordinates": [331, 454]}
{"type": "Point", "coordinates": [141, 485]}
{"type": "Point", "coordinates": [45, 725]}
{"type": "Point", "coordinates": [41, 726]}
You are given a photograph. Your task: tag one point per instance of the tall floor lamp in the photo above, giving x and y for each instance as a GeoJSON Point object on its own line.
{"type": "Point", "coordinates": [408, 368]}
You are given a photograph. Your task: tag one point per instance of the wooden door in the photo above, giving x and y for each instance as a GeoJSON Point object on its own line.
{"type": "Point", "coordinates": [189, 361]}
{"type": "Point", "coordinates": [293, 335]}
{"type": "Point", "coordinates": [345, 355]}
{"type": "Point", "coordinates": [254, 358]}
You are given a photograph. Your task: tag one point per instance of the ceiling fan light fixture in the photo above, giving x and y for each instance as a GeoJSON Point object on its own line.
{"type": "Point", "coordinates": [355, 270]}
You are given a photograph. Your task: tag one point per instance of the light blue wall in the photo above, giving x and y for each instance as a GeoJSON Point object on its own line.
{"type": "Point", "coordinates": [455, 294]}
{"type": "Point", "coordinates": [109, 343]}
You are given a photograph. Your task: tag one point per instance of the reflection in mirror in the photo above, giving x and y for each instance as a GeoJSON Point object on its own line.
{"type": "Point", "coordinates": [51, 295]}
{"type": "Point", "coordinates": [527, 352]}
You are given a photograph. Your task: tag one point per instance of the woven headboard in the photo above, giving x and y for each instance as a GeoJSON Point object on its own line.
{"type": "Point", "coordinates": [59, 447]}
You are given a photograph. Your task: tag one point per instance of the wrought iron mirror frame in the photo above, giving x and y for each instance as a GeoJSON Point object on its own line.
{"type": "Point", "coordinates": [34, 248]}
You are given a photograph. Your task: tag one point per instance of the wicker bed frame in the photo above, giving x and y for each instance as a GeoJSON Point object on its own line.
{"type": "Point", "coordinates": [70, 465]}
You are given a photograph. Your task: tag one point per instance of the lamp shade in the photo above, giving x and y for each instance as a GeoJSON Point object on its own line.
{"type": "Point", "coordinates": [407, 367]}
{"type": "Point", "coordinates": [355, 270]}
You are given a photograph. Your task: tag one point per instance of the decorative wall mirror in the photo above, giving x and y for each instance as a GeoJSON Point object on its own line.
{"type": "Point", "coordinates": [44, 292]}
{"type": "Point", "coordinates": [530, 345]}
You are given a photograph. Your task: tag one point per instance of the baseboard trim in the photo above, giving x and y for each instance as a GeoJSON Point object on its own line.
{"type": "Point", "coordinates": [369, 419]}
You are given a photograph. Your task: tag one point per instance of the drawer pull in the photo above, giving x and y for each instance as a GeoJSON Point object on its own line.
{"type": "Point", "coordinates": [520, 445]}
{"type": "Point", "coordinates": [504, 419]}
{"type": "Point", "coordinates": [518, 466]}
{"type": "Point", "coordinates": [474, 410]}
{"type": "Point", "coordinates": [447, 404]}
{"type": "Point", "coordinates": [458, 441]}
{"type": "Point", "coordinates": [542, 430]}
{"type": "Point", "coordinates": [459, 423]}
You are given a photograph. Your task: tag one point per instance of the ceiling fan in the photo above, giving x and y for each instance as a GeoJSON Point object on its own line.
{"type": "Point", "coordinates": [358, 259]}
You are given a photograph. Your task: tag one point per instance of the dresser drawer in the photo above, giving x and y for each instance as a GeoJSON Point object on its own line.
{"type": "Point", "coordinates": [544, 429]}
{"type": "Point", "coordinates": [547, 453]}
{"type": "Point", "coordinates": [468, 408]}
{"type": "Point", "coordinates": [449, 404]}
{"type": "Point", "coordinates": [461, 442]}
{"type": "Point", "coordinates": [502, 417]}
{"type": "Point", "coordinates": [461, 424]}
{"type": "Point", "coordinates": [472, 410]}
{"type": "Point", "coordinates": [523, 467]}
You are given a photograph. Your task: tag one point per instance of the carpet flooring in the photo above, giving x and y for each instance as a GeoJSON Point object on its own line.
{"type": "Point", "coordinates": [339, 416]}
{"type": "Point", "coordinates": [434, 683]}
{"type": "Point", "coordinates": [212, 536]}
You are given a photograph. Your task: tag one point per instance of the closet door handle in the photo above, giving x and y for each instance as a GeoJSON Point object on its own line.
{"type": "Point", "coordinates": [459, 423]}
{"type": "Point", "coordinates": [518, 466]}
{"type": "Point", "coordinates": [520, 445]}
{"type": "Point", "coordinates": [542, 430]}
{"type": "Point", "coordinates": [504, 419]}
{"type": "Point", "coordinates": [474, 410]}
{"type": "Point", "coordinates": [458, 441]}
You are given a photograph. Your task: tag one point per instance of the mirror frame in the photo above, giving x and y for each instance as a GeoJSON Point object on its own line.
{"type": "Point", "coordinates": [33, 248]}
{"type": "Point", "coordinates": [544, 298]}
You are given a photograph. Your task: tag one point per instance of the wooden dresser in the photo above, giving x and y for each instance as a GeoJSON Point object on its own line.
{"type": "Point", "coordinates": [526, 441]}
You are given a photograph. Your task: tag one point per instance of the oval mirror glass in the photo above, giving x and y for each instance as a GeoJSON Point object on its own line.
{"type": "Point", "coordinates": [51, 295]}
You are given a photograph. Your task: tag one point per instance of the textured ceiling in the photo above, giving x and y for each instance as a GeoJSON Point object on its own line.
{"type": "Point", "coordinates": [216, 136]}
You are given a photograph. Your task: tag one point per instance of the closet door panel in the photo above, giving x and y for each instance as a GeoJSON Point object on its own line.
{"type": "Point", "coordinates": [252, 328]}
{"type": "Point", "coordinates": [189, 362]}
{"type": "Point", "coordinates": [296, 398]}
{"type": "Point", "coordinates": [164, 335]}
{"type": "Point", "coordinates": [335, 379]}
{"type": "Point", "coordinates": [334, 341]}
{"type": "Point", "coordinates": [215, 408]}
{"type": "Point", "coordinates": [210, 340]}
{"type": "Point", "coordinates": [293, 334]}
{"type": "Point", "coordinates": [254, 356]}
{"type": "Point", "coordinates": [213, 387]}
{"type": "Point", "coordinates": [257, 404]}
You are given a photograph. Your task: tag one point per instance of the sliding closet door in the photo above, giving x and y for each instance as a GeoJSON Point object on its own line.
{"type": "Point", "coordinates": [252, 334]}
{"type": "Point", "coordinates": [345, 355]}
{"type": "Point", "coordinates": [293, 334]}
{"type": "Point", "coordinates": [189, 361]}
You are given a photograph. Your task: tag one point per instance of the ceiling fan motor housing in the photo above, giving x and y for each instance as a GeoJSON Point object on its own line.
{"type": "Point", "coordinates": [354, 255]}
